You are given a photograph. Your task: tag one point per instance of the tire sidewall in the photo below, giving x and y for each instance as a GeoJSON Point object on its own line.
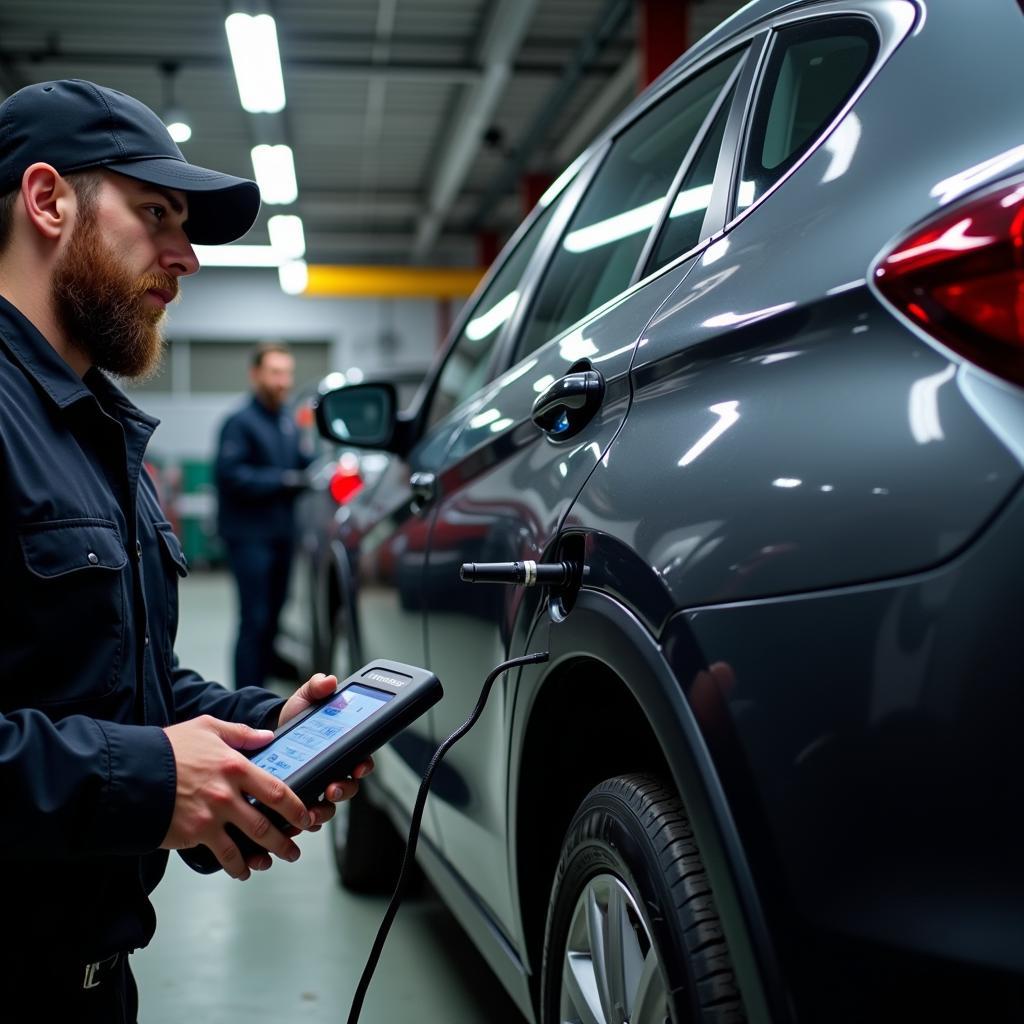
{"type": "Point", "coordinates": [606, 838]}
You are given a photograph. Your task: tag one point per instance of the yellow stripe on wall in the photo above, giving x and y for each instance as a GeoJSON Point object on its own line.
{"type": "Point", "coordinates": [393, 282]}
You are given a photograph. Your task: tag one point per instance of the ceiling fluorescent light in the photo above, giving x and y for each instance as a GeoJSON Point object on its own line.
{"type": "Point", "coordinates": [237, 256]}
{"type": "Point", "coordinates": [286, 236]}
{"type": "Point", "coordinates": [274, 168]}
{"type": "Point", "coordinates": [294, 276]}
{"type": "Point", "coordinates": [257, 61]}
{"type": "Point", "coordinates": [178, 128]}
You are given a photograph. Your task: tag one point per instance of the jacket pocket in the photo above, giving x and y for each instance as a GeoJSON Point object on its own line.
{"type": "Point", "coordinates": [65, 632]}
{"type": "Point", "coordinates": [172, 548]}
{"type": "Point", "coordinates": [72, 545]}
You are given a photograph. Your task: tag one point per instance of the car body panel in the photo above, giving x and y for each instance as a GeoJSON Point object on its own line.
{"type": "Point", "coordinates": [502, 496]}
{"type": "Point", "coordinates": [801, 521]}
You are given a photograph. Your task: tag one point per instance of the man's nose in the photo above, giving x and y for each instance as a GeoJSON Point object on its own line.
{"type": "Point", "coordinates": [179, 258]}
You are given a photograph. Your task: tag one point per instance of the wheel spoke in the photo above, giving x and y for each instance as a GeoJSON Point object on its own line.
{"type": "Point", "coordinates": [649, 1006]}
{"type": "Point", "coordinates": [619, 934]}
{"type": "Point", "coordinates": [579, 991]}
{"type": "Point", "coordinates": [632, 959]}
{"type": "Point", "coordinates": [597, 933]}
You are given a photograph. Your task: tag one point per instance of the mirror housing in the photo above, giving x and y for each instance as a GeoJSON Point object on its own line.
{"type": "Point", "coordinates": [360, 415]}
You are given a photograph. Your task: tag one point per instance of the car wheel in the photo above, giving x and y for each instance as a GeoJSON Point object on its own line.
{"type": "Point", "coordinates": [633, 934]}
{"type": "Point", "coordinates": [367, 850]}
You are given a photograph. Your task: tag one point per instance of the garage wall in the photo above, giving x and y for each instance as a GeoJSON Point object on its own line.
{"type": "Point", "coordinates": [246, 306]}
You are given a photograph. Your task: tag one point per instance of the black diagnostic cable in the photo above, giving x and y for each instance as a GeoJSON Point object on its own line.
{"type": "Point", "coordinates": [414, 826]}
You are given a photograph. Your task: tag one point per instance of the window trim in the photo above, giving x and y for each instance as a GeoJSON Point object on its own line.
{"type": "Point", "coordinates": [568, 195]}
{"type": "Point", "coordinates": [640, 270]}
{"type": "Point", "coordinates": [893, 20]}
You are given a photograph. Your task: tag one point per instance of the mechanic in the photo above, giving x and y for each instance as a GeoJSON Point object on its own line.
{"type": "Point", "coordinates": [260, 472]}
{"type": "Point", "coordinates": [111, 753]}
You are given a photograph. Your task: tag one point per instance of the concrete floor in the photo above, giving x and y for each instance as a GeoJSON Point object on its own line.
{"type": "Point", "coordinates": [289, 944]}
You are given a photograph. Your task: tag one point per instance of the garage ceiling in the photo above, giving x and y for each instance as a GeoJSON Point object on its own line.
{"type": "Point", "coordinates": [412, 121]}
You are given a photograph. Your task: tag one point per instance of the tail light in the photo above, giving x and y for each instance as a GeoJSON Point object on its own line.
{"type": "Point", "coordinates": [960, 276]}
{"type": "Point", "coordinates": [346, 480]}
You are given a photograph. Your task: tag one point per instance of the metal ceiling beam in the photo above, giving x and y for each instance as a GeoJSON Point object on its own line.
{"type": "Point", "coordinates": [499, 45]}
{"type": "Point", "coordinates": [606, 27]}
{"type": "Point", "coordinates": [397, 70]}
{"type": "Point", "coordinates": [325, 205]}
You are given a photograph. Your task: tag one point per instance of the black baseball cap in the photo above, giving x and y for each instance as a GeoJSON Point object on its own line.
{"type": "Point", "coordinates": [75, 125]}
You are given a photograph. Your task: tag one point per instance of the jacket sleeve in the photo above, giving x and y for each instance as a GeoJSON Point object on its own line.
{"type": "Point", "coordinates": [82, 787]}
{"type": "Point", "coordinates": [195, 696]}
{"type": "Point", "coordinates": [236, 471]}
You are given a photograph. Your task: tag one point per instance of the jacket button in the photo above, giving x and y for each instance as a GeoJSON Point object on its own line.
{"type": "Point", "coordinates": [147, 640]}
{"type": "Point", "coordinates": [93, 560]}
{"type": "Point", "coordinates": [138, 549]}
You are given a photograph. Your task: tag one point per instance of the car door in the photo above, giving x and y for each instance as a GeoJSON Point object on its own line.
{"type": "Point", "coordinates": [384, 534]}
{"type": "Point", "coordinates": [505, 482]}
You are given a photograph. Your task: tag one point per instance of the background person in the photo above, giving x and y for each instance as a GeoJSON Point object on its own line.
{"type": "Point", "coordinates": [260, 471]}
{"type": "Point", "coordinates": [111, 753]}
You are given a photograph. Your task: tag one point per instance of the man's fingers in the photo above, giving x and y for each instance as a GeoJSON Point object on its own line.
{"type": "Point", "coordinates": [230, 857]}
{"type": "Point", "coordinates": [344, 790]}
{"type": "Point", "coordinates": [259, 829]}
{"type": "Point", "coordinates": [274, 794]}
{"type": "Point", "coordinates": [241, 737]}
{"type": "Point", "coordinates": [259, 862]}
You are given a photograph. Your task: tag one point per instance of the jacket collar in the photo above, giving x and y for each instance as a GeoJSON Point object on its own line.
{"type": "Point", "coordinates": [42, 362]}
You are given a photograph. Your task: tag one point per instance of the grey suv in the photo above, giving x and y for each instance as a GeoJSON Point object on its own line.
{"type": "Point", "coordinates": [754, 369]}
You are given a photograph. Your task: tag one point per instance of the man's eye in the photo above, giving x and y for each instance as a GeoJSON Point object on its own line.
{"type": "Point", "coordinates": [158, 211]}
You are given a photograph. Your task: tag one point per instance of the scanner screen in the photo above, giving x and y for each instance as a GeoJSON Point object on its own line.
{"type": "Point", "coordinates": [300, 745]}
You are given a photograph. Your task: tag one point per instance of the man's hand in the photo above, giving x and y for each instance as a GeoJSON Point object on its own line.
{"type": "Point", "coordinates": [315, 689]}
{"type": "Point", "coordinates": [213, 780]}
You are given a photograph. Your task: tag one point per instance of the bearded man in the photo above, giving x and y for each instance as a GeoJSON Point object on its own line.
{"type": "Point", "coordinates": [111, 753]}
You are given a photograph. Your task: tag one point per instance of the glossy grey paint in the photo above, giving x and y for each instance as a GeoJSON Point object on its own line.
{"type": "Point", "coordinates": [502, 495]}
{"type": "Point", "coordinates": [869, 741]}
{"type": "Point", "coordinates": [921, 454]}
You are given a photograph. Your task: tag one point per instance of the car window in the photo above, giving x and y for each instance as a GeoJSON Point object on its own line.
{"type": "Point", "coordinates": [682, 230]}
{"type": "Point", "coordinates": [468, 361]}
{"type": "Point", "coordinates": [599, 251]}
{"type": "Point", "coordinates": [812, 70]}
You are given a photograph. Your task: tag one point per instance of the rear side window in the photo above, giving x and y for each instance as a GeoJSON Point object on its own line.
{"type": "Point", "coordinates": [469, 360]}
{"type": "Point", "coordinates": [812, 70]}
{"type": "Point", "coordinates": [682, 229]}
{"type": "Point", "coordinates": [599, 251]}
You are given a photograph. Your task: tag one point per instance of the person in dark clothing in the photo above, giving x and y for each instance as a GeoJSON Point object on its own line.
{"type": "Point", "coordinates": [260, 471]}
{"type": "Point", "coordinates": [111, 752]}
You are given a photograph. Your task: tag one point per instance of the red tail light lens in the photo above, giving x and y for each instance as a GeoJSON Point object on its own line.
{"type": "Point", "coordinates": [961, 278]}
{"type": "Point", "coordinates": [346, 481]}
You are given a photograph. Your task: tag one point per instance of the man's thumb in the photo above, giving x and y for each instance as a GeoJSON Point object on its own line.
{"type": "Point", "coordinates": [242, 737]}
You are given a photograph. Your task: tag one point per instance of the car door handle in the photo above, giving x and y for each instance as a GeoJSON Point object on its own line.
{"type": "Point", "coordinates": [424, 490]}
{"type": "Point", "coordinates": [569, 404]}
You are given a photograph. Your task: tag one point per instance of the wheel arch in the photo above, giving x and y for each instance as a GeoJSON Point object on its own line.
{"type": "Point", "coordinates": [608, 678]}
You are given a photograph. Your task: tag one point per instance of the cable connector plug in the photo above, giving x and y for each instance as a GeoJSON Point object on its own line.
{"type": "Point", "coordinates": [521, 574]}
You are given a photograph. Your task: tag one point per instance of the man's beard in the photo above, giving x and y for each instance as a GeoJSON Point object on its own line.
{"type": "Point", "coordinates": [102, 307]}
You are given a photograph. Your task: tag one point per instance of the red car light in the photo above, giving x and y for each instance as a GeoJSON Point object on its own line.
{"type": "Point", "coordinates": [961, 278]}
{"type": "Point", "coordinates": [346, 481]}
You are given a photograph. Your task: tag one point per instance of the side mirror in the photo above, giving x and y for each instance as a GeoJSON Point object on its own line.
{"type": "Point", "coordinates": [361, 415]}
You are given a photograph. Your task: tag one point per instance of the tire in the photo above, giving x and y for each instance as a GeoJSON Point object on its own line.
{"type": "Point", "coordinates": [630, 860]}
{"type": "Point", "coordinates": [367, 850]}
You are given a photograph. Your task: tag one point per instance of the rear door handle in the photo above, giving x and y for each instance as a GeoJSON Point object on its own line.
{"type": "Point", "coordinates": [569, 404]}
{"type": "Point", "coordinates": [424, 490]}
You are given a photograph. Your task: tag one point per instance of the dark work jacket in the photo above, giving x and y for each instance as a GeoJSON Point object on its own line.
{"type": "Point", "coordinates": [257, 450]}
{"type": "Point", "coordinates": [89, 571]}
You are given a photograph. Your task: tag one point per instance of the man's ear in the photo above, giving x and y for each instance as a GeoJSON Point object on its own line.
{"type": "Point", "coordinates": [50, 202]}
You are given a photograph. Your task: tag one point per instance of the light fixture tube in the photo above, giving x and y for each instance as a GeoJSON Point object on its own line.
{"type": "Point", "coordinates": [274, 168]}
{"type": "Point", "coordinates": [287, 237]}
{"type": "Point", "coordinates": [257, 62]}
